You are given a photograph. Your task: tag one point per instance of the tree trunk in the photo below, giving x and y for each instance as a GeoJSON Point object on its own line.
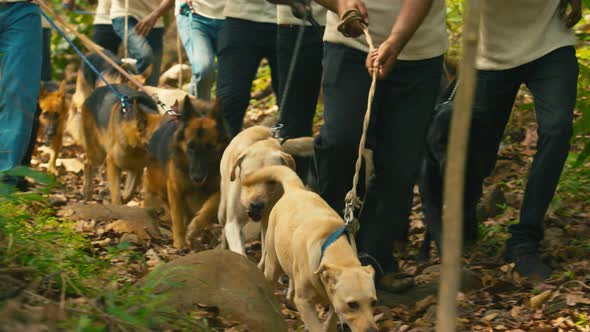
{"type": "Point", "coordinates": [452, 239]}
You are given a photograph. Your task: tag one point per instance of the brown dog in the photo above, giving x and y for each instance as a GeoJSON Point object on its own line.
{"type": "Point", "coordinates": [52, 122]}
{"type": "Point", "coordinates": [87, 81]}
{"type": "Point", "coordinates": [184, 169]}
{"type": "Point", "coordinates": [120, 138]}
{"type": "Point", "coordinates": [299, 224]}
{"type": "Point", "coordinates": [250, 150]}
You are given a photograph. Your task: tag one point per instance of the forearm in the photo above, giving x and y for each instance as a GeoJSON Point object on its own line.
{"type": "Point", "coordinates": [331, 5]}
{"type": "Point", "coordinates": [411, 15]}
{"type": "Point", "coordinates": [164, 6]}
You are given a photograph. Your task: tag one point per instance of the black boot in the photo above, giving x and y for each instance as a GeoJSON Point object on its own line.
{"type": "Point", "coordinates": [528, 262]}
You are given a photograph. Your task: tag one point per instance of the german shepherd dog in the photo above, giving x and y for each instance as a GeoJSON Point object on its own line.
{"type": "Point", "coordinates": [87, 81]}
{"type": "Point", "coordinates": [52, 121]}
{"type": "Point", "coordinates": [120, 138]}
{"type": "Point", "coordinates": [184, 169]}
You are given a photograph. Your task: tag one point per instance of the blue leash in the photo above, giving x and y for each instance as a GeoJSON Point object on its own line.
{"type": "Point", "coordinates": [124, 99]}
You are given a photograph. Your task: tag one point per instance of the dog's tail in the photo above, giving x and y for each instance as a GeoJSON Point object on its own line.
{"type": "Point", "coordinates": [282, 174]}
{"type": "Point", "coordinates": [300, 147]}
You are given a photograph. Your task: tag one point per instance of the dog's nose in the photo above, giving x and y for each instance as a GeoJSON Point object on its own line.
{"type": "Point", "coordinates": [198, 178]}
{"type": "Point", "coordinates": [256, 206]}
{"type": "Point", "coordinates": [372, 329]}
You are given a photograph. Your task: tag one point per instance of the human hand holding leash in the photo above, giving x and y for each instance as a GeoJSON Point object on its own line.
{"type": "Point", "coordinates": [574, 16]}
{"type": "Point", "coordinates": [382, 59]}
{"type": "Point", "coordinates": [354, 27]}
{"type": "Point", "coordinates": [146, 25]}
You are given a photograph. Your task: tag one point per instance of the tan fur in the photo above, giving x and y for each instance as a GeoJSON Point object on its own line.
{"type": "Point", "coordinates": [299, 223]}
{"type": "Point", "coordinates": [251, 150]}
{"type": "Point", "coordinates": [53, 114]}
{"type": "Point", "coordinates": [192, 206]}
{"type": "Point", "coordinates": [123, 144]}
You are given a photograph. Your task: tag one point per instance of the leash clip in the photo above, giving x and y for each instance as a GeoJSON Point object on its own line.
{"type": "Point", "coordinates": [348, 213]}
{"type": "Point", "coordinates": [124, 104]}
{"type": "Point", "coordinates": [276, 130]}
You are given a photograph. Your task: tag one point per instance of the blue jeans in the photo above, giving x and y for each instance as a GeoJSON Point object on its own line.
{"type": "Point", "coordinates": [199, 36]}
{"type": "Point", "coordinates": [146, 50]}
{"type": "Point", "coordinates": [20, 73]}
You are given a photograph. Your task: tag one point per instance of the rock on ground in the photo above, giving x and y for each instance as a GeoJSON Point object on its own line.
{"type": "Point", "coordinates": [225, 280]}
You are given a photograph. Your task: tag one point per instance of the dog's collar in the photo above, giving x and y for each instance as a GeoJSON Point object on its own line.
{"type": "Point", "coordinates": [332, 238]}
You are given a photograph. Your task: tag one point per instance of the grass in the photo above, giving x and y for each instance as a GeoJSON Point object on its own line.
{"type": "Point", "coordinates": [67, 270]}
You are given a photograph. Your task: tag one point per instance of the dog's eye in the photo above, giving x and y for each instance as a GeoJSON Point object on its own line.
{"type": "Point", "coordinates": [353, 305]}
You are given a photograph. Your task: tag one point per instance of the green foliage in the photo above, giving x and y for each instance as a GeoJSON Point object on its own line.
{"type": "Point", "coordinates": [582, 125]}
{"type": "Point", "coordinates": [65, 264]}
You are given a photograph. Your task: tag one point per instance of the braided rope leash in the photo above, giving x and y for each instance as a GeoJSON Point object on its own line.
{"type": "Point", "coordinates": [352, 200]}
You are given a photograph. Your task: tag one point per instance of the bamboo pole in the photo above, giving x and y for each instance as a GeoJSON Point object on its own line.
{"type": "Point", "coordinates": [452, 239]}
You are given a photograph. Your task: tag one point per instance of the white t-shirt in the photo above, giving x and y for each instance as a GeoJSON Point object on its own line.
{"type": "Point", "coordinates": [429, 41]}
{"type": "Point", "coordinates": [285, 16]}
{"type": "Point", "coordinates": [103, 11]}
{"type": "Point", "coordinates": [138, 9]}
{"type": "Point", "coordinates": [208, 8]}
{"type": "Point", "coordinates": [251, 10]}
{"type": "Point", "coordinates": [513, 33]}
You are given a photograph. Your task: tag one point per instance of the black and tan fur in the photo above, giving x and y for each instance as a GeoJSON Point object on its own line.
{"type": "Point", "coordinates": [52, 122]}
{"type": "Point", "coordinates": [119, 138]}
{"type": "Point", "coordinates": [87, 81]}
{"type": "Point", "coordinates": [184, 169]}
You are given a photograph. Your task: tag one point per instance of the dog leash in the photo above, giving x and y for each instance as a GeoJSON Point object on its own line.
{"type": "Point", "coordinates": [98, 49]}
{"type": "Point", "coordinates": [123, 98]}
{"type": "Point", "coordinates": [305, 16]}
{"type": "Point", "coordinates": [352, 201]}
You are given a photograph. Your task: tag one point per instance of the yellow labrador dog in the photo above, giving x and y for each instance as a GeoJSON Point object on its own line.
{"type": "Point", "coordinates": [250, 150]}
{"type": "Point", "coordinates": [298, 227]}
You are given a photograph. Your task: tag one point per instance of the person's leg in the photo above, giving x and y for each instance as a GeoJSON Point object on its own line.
{"type": "Point", "coordinates": [46, 64]}
{"type": "Point", "coordinates": [238, 59]}
{"type": "Point", "coordinates": [406, 97]}
{"type": "Point", "coordinates": [552, 79]}
{"type": "Point", "coordinates": [138, 46]}
{"type": "Point", "coordinates": [156, 40]}
{"type": "Point", "coordinates": [20, 74]}
{"type": "Point", "coordinates": [198, 34]}
{"type": "Point", "coordinates": [105, 36]}
{"type": "Point", "coordinates": [299, 109]}
{"type": "Point", "coordinates": [346, 86]}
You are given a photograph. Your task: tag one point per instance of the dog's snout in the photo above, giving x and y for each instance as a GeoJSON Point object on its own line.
{"type": "Point", "coordinates": [198, 178]}
{"type": "Point", "coordinates": [372, 329]}
{"type": "Point", "coordinates": [256, 206]}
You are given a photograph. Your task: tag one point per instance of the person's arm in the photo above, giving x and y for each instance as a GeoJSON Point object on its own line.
{"type": "Point", "coordinates": [411, 15]}
{"type": "Point", "coordinates": [574, 16]}
{"type": "Point", "coordinates": [147, 23]}
{"type": "Point", "coordinates": [331, 5]}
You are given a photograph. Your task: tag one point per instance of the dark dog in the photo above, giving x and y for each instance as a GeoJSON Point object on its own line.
{"type": "Point", "coordinates": [119, 137]}
{"type": "Point", "coordinates": [432, 177]}
{"type": "Point", "coordinates": [184, 169]}
{"type": "Point", "coordinates": [52, 121]}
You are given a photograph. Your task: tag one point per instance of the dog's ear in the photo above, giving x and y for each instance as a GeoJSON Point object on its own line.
{"type": "Point", "coordinates": [215, 111]}
{"type": "Point", "coordinates": [42, 91]}
{"type": "Point", "coordinates": [328, 274]}
{"type": "Point", "coordinates": [237, 164]}
{"type": "Point", "coordinates": [186, 110]}
{"type": "Point", "coordinates": [288, 160]}
{"type": "Point", "coordinates": [62, 88]}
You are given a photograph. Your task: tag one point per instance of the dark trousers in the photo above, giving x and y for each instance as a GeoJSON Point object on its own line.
{"type": "Point", "coordinates": [302, 98]}
{"type": "Point", "coordinates": [46, 64]}
{"type": "Point", "coordinates": [105, 36]}
{"type": "Point", "coordinates": [552, 80]}
{"type": "Point", "coordinates": [402, 111]}
{"type": "Point", "coordinates": [242, 45]}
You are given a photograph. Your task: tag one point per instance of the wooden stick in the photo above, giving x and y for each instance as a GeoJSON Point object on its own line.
{"type": "Point", "coordinates": [452, 240]}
